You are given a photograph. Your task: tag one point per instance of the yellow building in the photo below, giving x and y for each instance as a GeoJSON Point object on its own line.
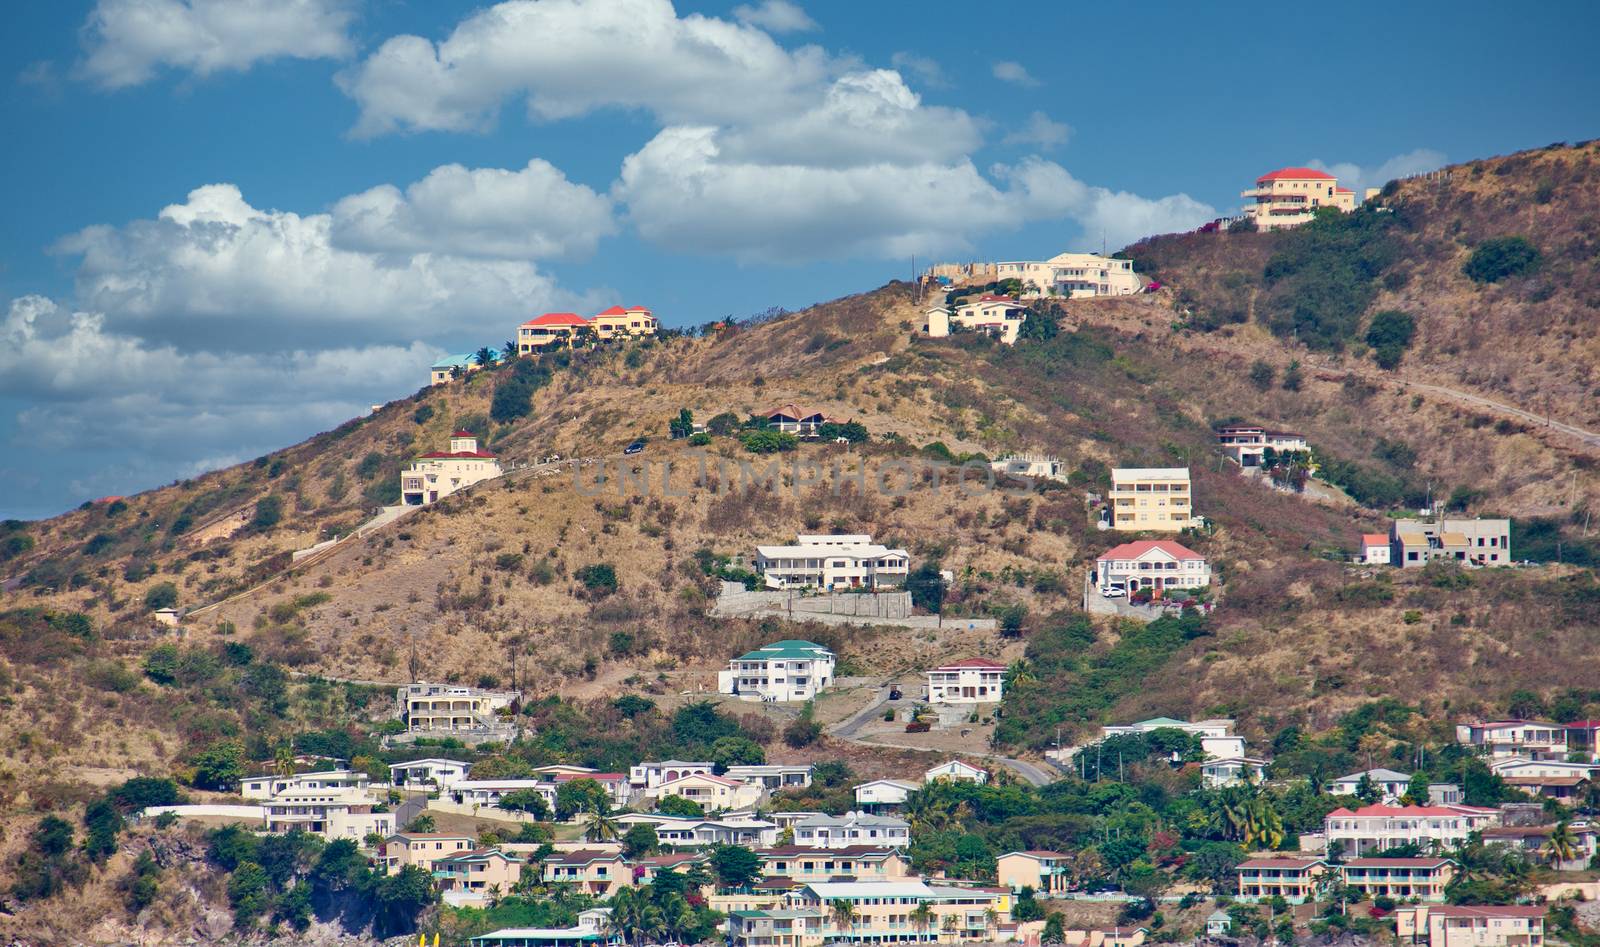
{"type": "Point", "coordinates": [1293, 879]}
{"type": "Point", "coordinates": [551, 330]}
{"type": "Point", "coordinates": [1474, 925]}
{"type": "Point", "coordinates": [1289, 197]}
{"type": "Point", "coordinates": [1151, 498]}
{"type": "Point", "coordinates": [421, 849]}
{"type": "Point", "coordinates": [1047, 873]}
{"type": "Point", "coordinates": [623, 322]}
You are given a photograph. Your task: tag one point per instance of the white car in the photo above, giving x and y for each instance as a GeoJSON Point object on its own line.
{"type": "Point", "coordinates": [1116, 591]}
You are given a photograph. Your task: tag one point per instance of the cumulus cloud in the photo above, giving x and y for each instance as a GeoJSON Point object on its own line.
{"type": "Point", "coordinates": [490, 212]}
{"type": "Point", "coordinates": [775, 16]}
{"type": "Point", "coordinates": [126, 41]}
{"type": "Point", "coordinates": [1358, 178]}
{"type": "Point", "coordinates": [570, 57]}
{"type": "Point", "coordinates": [1015, 73]}
{"type": "Point", "coordinates": [925, 68]}
{"type": "Point", "coordinates": [1046, 190]}
{"type": "Point", "coordinates": [1041, 131]}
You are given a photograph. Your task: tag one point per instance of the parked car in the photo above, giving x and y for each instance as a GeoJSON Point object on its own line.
{"type": "Point", "coordinates": [894, 693]}
{"type": "Point", "coordinates": [1116, 591]}
{"type": "Point", "coordinates": [636, 447]}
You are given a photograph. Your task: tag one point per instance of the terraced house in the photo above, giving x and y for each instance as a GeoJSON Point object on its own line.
{"type": "Point", "coordinates": [883, 912]}
{"type": "Point", "coordinates": [1474, 925]}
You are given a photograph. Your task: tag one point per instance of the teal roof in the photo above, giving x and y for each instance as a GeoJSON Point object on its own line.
{"type": "Point", "coordinates": [1161, 722]}
{"type": "Point", "coordinates": [787, 649]}
{"type": "Point", "coordinates": [469, 360]}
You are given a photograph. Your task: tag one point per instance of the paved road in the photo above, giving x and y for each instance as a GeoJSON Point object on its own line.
{"type": "Point", "coordinates": [1588, 437]}
{"type": "Point", "coordinates": [1032, 772]}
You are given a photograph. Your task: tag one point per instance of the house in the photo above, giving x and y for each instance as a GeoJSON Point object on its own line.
{"type": "Point", "coordinates": [956, 771]}
{"type": "Point", "coordinates": [1217, 738]}
{"type": "Point", "coordinates": [804, 865]}
{"type": "Point", "coordinates": [1505, 739]}
{"type": "Point", "coordinates": [1032, 466]}
{"type": "Point", "coordinates": [792, 419]}
{"type": "Point", "coordinates": [1379, 827]}
{"type": "Point", "coordinates": [455, 366]}
{"type": "Point", "coordinates": [881, 910]}
{"type": "Point", "coordinates": [615, 784]}
{"type": "Point", "coordinates": [1534, 840]}
{"type": "Point", "coordinates": [471, 878]}
{"type": "Point", "coordinates": [833, 562]}
{"type": "Point", "coordinates": [430, 708]}
{"type": "Point", "coordinates": [551, 330]}
{"type": "Point", "coordinates": [489, 792]}
{"type": "Point", "coordinates": [440, 473]}
{"type": "Point", "coordinates": [1557, 779]}
{"type": "Point", "coordinates": [772, 775]}
{"type": "Point", "coordinates": [1399, 878]}
{"type": "Point", "coordinates": [590, 931]}
{"type": "Point", "coordinates": [650, 775]}
{"type": "Point", "coordinates": [1288, 197]}
{"type": "Point", "coordinates": [330, 813]}
{"type": "Point", "coordinates": [1293, 879]}
{"type": "Point", "coordinates": [1389, 784]}
{"type": "Point", "coordinates": [1074, 275]}
{"type": "Point", "coordinates": [1474, 542]}
{"type": "Point", "coordinates": [1105, 937]}
{"type": "Point", "coordinates": [1047, 873]}
{"type": "Point", "coordinates": [712, 793]}
{"type": "Point", "coordinates": [776, 927]}
{"type": "Point", "coordinates": [1157, 564]}
{"type": "Point", "coordinates": [1375, 550]}
{"type": "Point", "coordinates": [695, 832]}
{"type": "Point", "coordinates": [621, 322]}
{"type": "Point", "coordinates": [421, 849]}
{"type": "Point", "coordinates": [267, 787]}
{"type": "Point", "coordinates": [997, 316]}
{"type": "Point", "coordinates": [852, 829]}
{"type": "Point", "coordinates": [884, 795]}
{"type": "Point", "coordinates": [1157, 499]}
{"type": "Point", "coordinates": [439, 773]}
{"type": "Point", "coordinates": [590, 871]}
{"type": "Point", "coordinates": [1475, 925]}
{"type": "Point", "coordinates": [968, 681]}
{"type": "Point", "coordinates": [1233, 771]}
{"type": "Point", "coordinates": [784, 671]}
{"type": "Point", "coordinates": [1583, 736]}
{"type": "Point", "coordinates": [167, 617]}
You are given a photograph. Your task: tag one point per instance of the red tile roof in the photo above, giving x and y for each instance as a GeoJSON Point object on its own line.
{"type": "Point", "coordinates": [1377, 811]}
{"type": "Point", "coordinates": [1374, 539]}
{"type": "Point", "coordinates": [1280, 863]}
{"type": "Point", "coordinates": [615, 311]}
{"type": "Point", "coordinates": [644, 309]}
{"type": "Point", "coordinates": [463, 434]}
{"type": "Point", "coordinates": [1295, 174]}
{"type": "Point", "coordinates": [971, 663]}
{"type": "Point", "coordinates": [1136, 549]}
{"type": "Point", "coordinates": [558, 319]}
{"type": "Point", "coordinates": [1396, 862]}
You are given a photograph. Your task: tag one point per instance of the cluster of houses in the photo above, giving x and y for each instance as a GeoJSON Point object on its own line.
{"type": "Point", "coordinates": [1065, 275]}
{"type": "Point", "coordinates": [551, 331]}
{"type": "Point", "coordinates": [1413, 543]}
{"type": "Point", "coordinates": [793, 671]}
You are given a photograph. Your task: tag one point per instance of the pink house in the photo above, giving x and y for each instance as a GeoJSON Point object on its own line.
{"type": "Point", "coordinates": [1157, 564]}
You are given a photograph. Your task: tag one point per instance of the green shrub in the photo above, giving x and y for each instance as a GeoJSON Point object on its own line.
{"type": "Point", "coordinates": [1390, 334]}
{"type": "Point", "coordinates": [15, 545]}
{"type": "Point", "coordinates": [700, 439]}
{"type": "Point", "coordinates": [269, 511]}
{"type": "Point", "coordinates": [1500, 258]}
{"type": "Point", "coordinates": [164, 595]}
{"type": "Point", "coordinates": [423, 414]}
{"type": "Point", "coordinates": [599, 579]}
{"type": "Point", "coordinates": [769, 442]}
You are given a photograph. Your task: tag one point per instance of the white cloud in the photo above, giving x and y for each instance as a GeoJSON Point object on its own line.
{"type": "Point", "coordinates": [1041, 131]}
{"type": "Point", "coordinates": [570, 57]}
{"type": "Point", "coordinates": [126, 41]}
{"type": "Point", "coordinates": [926, 69]}
{"type": "Point", "coordinates": [535, 212]}
{"type": "Point", "coordinates": [1358, 178]}
{"type": "Point", "coordinates": [1046, 190]}
{"type": "Point", "coordinates": [1015, 73]}
{"type": "Point", "coordinates": [775, 16]}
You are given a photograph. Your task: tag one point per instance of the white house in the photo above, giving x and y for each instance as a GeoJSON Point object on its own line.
{"type": "Point", "coordinates": [1073, 275]}
{"type": "Point", "coordinates": [691, 832]}
{"type": "Point", "coordinates": [712, 793]}
{"type": "Point", "coordinates": [882, 795]}
{"type": "Point", "coordinates": [1375, 828]}
{"type": "Point", "coordinates": [429, 772]}
{"type": "Point", "coordinates": [999, 316]}
{"type": "Point", "coordinates": [1390, 784]}
{"type": "Point", "coordinates": [438, 474]}
{"type": "Point", "coordinates": [772, 775]}
{"type": "Point", "coordinates": [1032, 466]}
{"type": "Point", "coordinates": [853, 828]}
{"type": "Point", "coordinates": [784, 671]}
{"type": "Point", "coordinates": [1248, 444]}
{"type": "Point", "coordinates": [1503, 739]}
{"type": "Point", "coordinates": [1374, 549]}
{"type": "Point", "coordinates": [1158, 564]}
{"type": "Point", "coordinates": [955, 771]}
{"type": "Point", "coordinates": [1217, 738]}
{"type": "Point", "coordinates": [332, 814]}
{"type": "Point", "coordinates": [268, 787]}
{"type": "Point", "coordinates": [1518, 767]}
{"type": "Point", "coordinates": [833, 562]}
{"type": "Point", "coordinates": [1232, 771]}
{"type": "Point", "coordinates": [650, 775]}
{"type": "Point", "coordinates": [489, 792]}
{"type": "Point", "coordinates": [968, 681]}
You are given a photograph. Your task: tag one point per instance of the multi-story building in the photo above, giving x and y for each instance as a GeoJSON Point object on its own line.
{"type": "Point", "coordinates": [1533, 840]}
{"type": "Point", "coordinates": [1047, 873]}
{"type": "Point", "coordinates": [1293, 879]}
{"type": "Point", "coordinates": [551, 330]}
{"type": "Point", "coordinates": [882, 911]}
{"type": "Point", "coordinates": [1289, 197]}
{"type": "Point", "coordinates": [782, 672]}
{"type": "Point", "coordinates": [1583, 736]}
{"type": "Point", "coordinates": [694, 832]}
{"type": "Point", "coordinates": [852, 829]}
{"type": "Point", "coordinates": [968, 681]}
{"type": "Point", "coordinates": [711, 793]}
{"type": "Point", "coordinates": [846, 562]}
{"type": "Point", "coordinates": [776, 927]}
{"type": "Point", "coordinates": [1217, 738]}
{"type": "Point", "coordinates": [1399, 878]}
{"type": "Point", "coordinates": [1474, 925]}
{"type": "Point", "coordinates": [437, 474]}
{"type": "Point", "coordinates": [438, 773]}
{"type": "Point", "coordinates": [1474, 542]}
{"type": "Point", "coordinates": [266, 787]}
{"type": "Point", "coordinates": [1158, 564]}
{"type": "Point", "coordinates": [651, 775]}
{"type": "Point", "coordinates": [431, 708]}
{"type": "Point", "coordinates": [884, 795]}
{"type": "Point", "coordinates": [1158, 499]}
{"type": "Point", "coordinates": [591, 871]}
{"type": "Point", "coordinates": [421, 849]}
{"type": "Point", "coordinates": [804, 865]}
{"type": "Point", "coordinates": [998, 316]}
{"type": "Point", "coordinates": [1074, 275]}
{"type": "Point", "coordinates": [330, 813]}
{"type": "Point", "coordinates": [1557, 779]}
{"type": "Point", "coordinates": [772, 775]}
{"type": "Point", "coordinates": [620, 322]}
{"type": "Point", "coordinates": [1506, 739]}
{"type": "Point", "coordinates": [1232, 771]}
{"type": "Point", "coordinates": [1248, 444]}
{"type": "Point", "coordinates": [1376, 828]}
{"type": "Point", "coordinates": [472, 878]}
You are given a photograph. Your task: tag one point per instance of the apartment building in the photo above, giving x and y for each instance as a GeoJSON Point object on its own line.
{"type": "Point", "coordinates": [852, 829]}
{"type": "Point", "coordinates": [437, 474]}
{"type": "Point", "coordinates": [1074, 275]}
{"type": "Point", "coordinates": [1379, 827]}
{"type": "Point", "coordinates": [1583, 736]}
{"type": "Point", "coordinates": [804, 865]}
{"type": "Point", "coordinates": [651, 775]}
{"type": "Point", "coordinates": [772, 775]}
{"type": "Point", "coordinates": [267, 787]}
{"type": "Point", "coordinates": [473, 877]}
{"type": "Point", "coordinates": [1475, 925]}
{"type": "Point", "coordinates": [882, 911]}
{"type": "Point", "coordinates": [1157, 499]}
{"type": "Point", "coordinates": [1557, 779]}
{"type": "Point", "coordinates": [1047, 873]}
{"type": "Point", "coordinates": [332, 814]}
{"type": "Point", "coordinates": [1157, 564]}
{"type": "Point", "coordinates": [438, 773]}
{"type": "Point", "coordinates": [835, 562]}
{"type": "Point", "coordinates": [1247, 444]}
{"type": "Point", "coordinates": [1474, 542]}
{"type": "Point", "coordinates": [1399, 878]}
{"type": "Point", "coordinates": [967, 681]}
{"type": "Point", "coordinates": [597, 873]}
{"type": "Point", "coordinates": [420, 849]}
{"type": "Point", "coordinates": [694, 832]}
{"type": "Point", "coordinates": [776, 927]}
{"type": "Point", "coordinates": [1288, 197]}
{"type": "Point", "coordinates": [431, 708]}
{"type": "Point", "coordinates": [781, 672]}
{"type": "Point", "coordinates": [1507, 739]}
{"type": "Point", "coordinates": [712, 793]}
{"type": "Point", "coordinates": [1293, 879]}
{"type": "Point", "coordinates": [997, 316]}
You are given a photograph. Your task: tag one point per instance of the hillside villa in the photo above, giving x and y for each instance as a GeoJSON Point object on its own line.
{"type": "Point", "coordinates": [1232, 771]}
{"type": "Point", "coordinates": [1375, 828]}
{"type": "Point", "coordinates": [1474, 542]}
{"type": "Point", "coordinates": [819, 830]}
{"type": "Point", "coordinates": [1288, 197]}
{"type": "Point", "coordinates": [473, 878]}
{"type": "Point", "coordinates": [420, 849]}
{"type": "Point", "coordinates": [438, 474]}
{"type": "Point", "coordinates": [833, 562]}
{"type": "Point", "coordinates": [857, 862]}
{"type": "Point", "coordinates": [1074, 275]}
{"type": "Point", "coordinates": [332, 814]}
{"type": "Point", "coordinates": [1032, 466]}
{"type": "Point", "coordinates": [266, 787]}
{"type": "Point", "coordinates": [712, 793]}
{"type": "Point", "coordinates": [1296, 879]}
{"type": "Point", "coordinates": [1151, 498]}
{"type": "Point", "coordinates": [439, 773]}
{"type": "Point", "coordinates": [1389, 784]}
{"type": "Point", "coordinates": [781, 672]}
{"type": "Point", "coordinates": [651, 775]}
{"type": "Point", "coordinates": [454, 366]}
{"type": "Point", "coordinates": [791, 418]}
{"type": "Point", "coordinates": [772, 775]}
{"type": "Point", "coordinates": [884, 795]}
{"type": "Point", "coordinates": [1533, 842]}
{"type": "Point", "coordinates": [1157, 564]}
{"type": "Point", "coordinates": [1247, 444]}
{"type": "Point", "coordinates": [697, 832]}
{"type": "Point", "coordinates": [956, 771]}
{"type": "Point", "coordinates": [594, 872]}
{"type": "Point", "coordinates": [1506, 739]}
{"type": "Point", "coordinates": [1217, 738]}
{"type": "Point", "coordinates": [968, 681]}
{"type": "Point", "coordinates": [1475, 925]}
{"type": "Point", "coordinates": [1047, 873]}
{"type": "Point", "coordinates": [430, 708]}
{"type": "Point", "coordinates": [1557, 779]}
{"type": "Point", "coordinates": [998, 316]}
{"type": "Point", "coordinates": [881, 912]}
{"type": "Point", "coordinates": [563, 329]}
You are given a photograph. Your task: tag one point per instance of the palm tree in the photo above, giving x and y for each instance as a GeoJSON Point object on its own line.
{"type": "Point", "coordinates": [509, 351]}
{"type": "Point", "coordinates": [844, 915]}
{"type": "Point", "coordinates": [484, 357]}
{"type": "Point", "coordinates": [603, 825]}
{"type": "Point", "coordinates": [1589, 794]}
{"type": "Point", "coordinates": [1561, 846]}
{"type": "Point", "coordinates": [1263, 826]}
{"type": "Point", "coordinates": [951, 922]}
{"type": "Point", "coordinates": [991, 921]}
{"type": "Point", "coordinates": [922, 916]}
{"type": "Point", "coordinates": [283, 759]}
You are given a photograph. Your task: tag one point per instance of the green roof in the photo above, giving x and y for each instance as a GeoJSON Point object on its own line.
{"type": "Point", "coordinates": [787, 649]}
{"type": "Point", "coordinates": [1161, 722]}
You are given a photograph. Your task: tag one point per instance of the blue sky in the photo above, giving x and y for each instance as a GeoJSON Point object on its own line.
{"type": "Point", "coordinates": [233, 223]}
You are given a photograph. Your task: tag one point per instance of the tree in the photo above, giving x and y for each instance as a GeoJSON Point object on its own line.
{"type": "Point", "coordinates": [484, 357]}
{"type": "Point", "coordinates": [599, 579]}
{"type": "Point", "coordinates": [1562, 845]}
{"type": "Point", "coordinates": [735, 866]}
{"type": "Point", "coordinates": [1367, 790]}
{"type": "Point", "coordinates": [248, 894]}
{"type": "Point", "coordinates": [163, 595]}
{"type": "Point", "coordinates": [640, 840]}
{"type": "Point", "coordinates": [769, 442]}
{"type": "Point", "coordinates": [508, 350]}
{"type": "Point", "coordinates": [1501, 257]}
{"type": "Point", "coordinates": [1293, 377]}
{"type": "Point", "coordinates": [1038, 326]}
{"type": "Point", "coordinates": [921, 916]}
{"type": "Point", "coordinates": [927, 587]}
{"type": "Point", "coordinates": [843, 914]}
{"type": "Point", "coordinates": [736, 751]}
{"type": "Point", "coordinates": [141, 884]}
{"type": "Point", "coordinates": [530, 801]}
{"type": "Point", "coordinates": [804, 729]}
{"type": "Point", "coordinates": [219, 766]}
{"type": "Point", "coordinates": [141, 792]}
{"type": "Point", "coordinates": [103, 822]}
{"type": "Point", "coordinates": [1390, 334]}
{"type": "Point", "coordinates": [269, 510]}
{"type": "Point", "coordinates": [397, 899]}
{"type": "Point", "coordinates": [678, 805]}
{"type": "Point", "coordinates": [682, 425]}
{"type": "Point", "coordinates": [1261, 374]}
{"type": "Point", "coordinates": [581, 795]}
{"type": "Point", "coordinates": [603, 826]}
{"type": "Point", "coordinates": [1054, 929]}
{"type": "Point", "coordinates": [853, 431]}
{"type": "Point", "coordinates": [723, 424]}
{"type": "Point", "coordinates": [422, 824]}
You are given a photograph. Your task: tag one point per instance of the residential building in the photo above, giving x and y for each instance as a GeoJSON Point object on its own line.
{"type": "Point", "coordinates": [1474, 542]}
{"type": "Point", "coordinates": [804, 865]}
{"type": "Point", "coordinates": [1157, 499]}
{"type": "Point", "coordinates": [792, 419]}
{"type": "Point", "coordinates": [833, 562]}
{"type": "Point", "coordinates": [1233, 771]}
{"type": "Point", "coordinates": [1157, 564]}
{"type": "Point", "coordinates": [551, 330]}
{"type": "Point", "coordinates": [591, 871]}
{"type": "Point", "coordinates": [1032, 466]}
{"type": "Point", "coordinates": [1506, 739]}
{"type": "Point", "coordinates": [997, 316]}
{"type": "Point", "coordinates": [1475, 925]}
{"type": "Point", "coordinates": [615, 784]}
{"type": "Point", "coordinates": [968, 681]}
{"type": "Point", "coordinates": [489, 792]}
{"type": "Point", "coordinates": [783, 672]}
{"type": "Point", "coordinates": [266, 787]}
{"type": "Point", "coordinates": [439, 473]}
{"type": "Point", "coordinates": [1389, 784]}
{"type": "Point", "coordinates": [430, 708]}
{"type": "Point", "coordinates": [1293, 879]}
{"type": "Point", "coordinates": [421, 849]}
{"type": "Point", "coordinates": [456, 366]}
{"type": "Point", "coordinates": [1534, 841]}
{"type": "Point", "coordinates": [330, 813]}
{"type": "Point", "coordinates": [1557, 779]}
{"type": "Point", "coordinates": [1288, 197]}
{"type": "Point", "coordinates": [621, 322]}
{"type": "Point", "coordinates": [1399, 878]}
{"type": "Point", "coordinates": [651, 775]}
{"type": "Point", "coordinates": [694, 832]}
{"type": "Point", "coordinates": [882, 910]}
{"type": "Point", "coordinates": [1105, 936]}
{"type": "Point", "coordinates": [776, 927]}
{"type": "Point", "coordinates": [1074, 275]}
{"type": "Point", "coordinates": [1378, 827]}
{"type": "Point", "coordinates": [773, 775]}
{"type": "Point", "coordinates": [1375, 550]}
{"type": "Point", "coordinates": [1048, 873]}
{"type": "Point", "coordinates": [472, 878]}
{"type": "Point", "coordinates": [852, 829]}
{"type": "Point", "coordinates": [1445, 794]}
{"type": "Point", "coordinates": [590, 931]}
{"type": "Point", "coordinates": [955, 771]}
{"type": "Point", "coordinates": [712, 793]}
{"type": "Point", "coordinates": [1583, 736]}
{"type": "Point", "coordinates": [439, 773]}
{"type": "Point", "coordinates": [1217, 738]}
{"type": "Point", "coordinates": [884, 795]}
{"type": "Point", "coordinates": [1247, 444]}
